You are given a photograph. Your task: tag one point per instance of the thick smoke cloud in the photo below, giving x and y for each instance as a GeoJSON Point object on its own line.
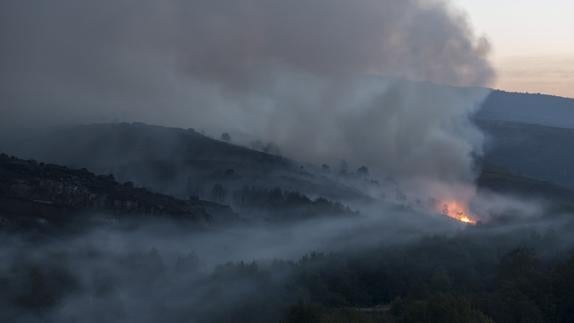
{"type": "Point", "coordinates": [323, 79]}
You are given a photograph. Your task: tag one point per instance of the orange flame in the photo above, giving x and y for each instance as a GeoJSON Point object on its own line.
{"type": "Point", "coordinates": [458, 211]}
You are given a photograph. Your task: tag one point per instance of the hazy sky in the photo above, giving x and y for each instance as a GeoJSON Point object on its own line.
{"type": "Point", "coordinates": [533, 42]}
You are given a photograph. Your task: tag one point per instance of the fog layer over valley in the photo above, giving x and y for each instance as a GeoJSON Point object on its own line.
{"type": "Point", "coordinates": [379, 263]}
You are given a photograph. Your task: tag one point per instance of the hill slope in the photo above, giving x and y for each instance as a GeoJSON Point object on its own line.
{"type": "Point", "coordinates": [173, 161]}
{"type": "Point", "coordinates": [534, 151]}
{"type": "Point", "coordinates": [545, 110]}
{"type": "Point", "coordinates": [37, 194]}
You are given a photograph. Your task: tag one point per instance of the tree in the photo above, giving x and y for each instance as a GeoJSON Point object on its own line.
{"type": "Point", "coordinates": [302, 313]}
{"type": "Point", "coordinates": [343, 168]}
{"type": "Point", "coordinates": [442, 308]}
{"type": "Point", "coordinates": [225, 137]}
{"type": "Point", "coordinates": [363, 171]}
{"type": "Point", "coordinates": [218, 193]}
{"type": "Point", "coordinates": [272, 149]}
{"type": "Point", "coordinates": [564, 290]}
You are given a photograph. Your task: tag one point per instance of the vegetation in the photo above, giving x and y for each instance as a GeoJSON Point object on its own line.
{"type": "Point", "coordinates": [283, 204]}
{"type": "Point", "coordinates": [51, 193]}
{"type": "Point", "coordinates": [475, 277]}
{"type": "Point", "coordinates": [226, 137]}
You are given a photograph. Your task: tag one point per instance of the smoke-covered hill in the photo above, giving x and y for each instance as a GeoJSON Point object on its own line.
{"type": "Point", "coordinates": [523, 139]}
{"type": "Point", "coordinates": [175, 161]}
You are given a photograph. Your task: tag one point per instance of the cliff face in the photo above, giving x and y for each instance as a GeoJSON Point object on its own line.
{"type": "Point", "coordinates": [45, 192]}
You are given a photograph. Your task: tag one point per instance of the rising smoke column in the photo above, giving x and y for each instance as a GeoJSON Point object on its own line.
{"type": "Point", "coordinates": [324, 79]}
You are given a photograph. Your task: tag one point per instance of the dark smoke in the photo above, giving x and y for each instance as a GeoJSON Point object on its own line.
{"type": "Point", "coordinates": [323, 79]}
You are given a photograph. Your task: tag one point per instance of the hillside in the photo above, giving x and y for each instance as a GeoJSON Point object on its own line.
{"type": "Point", "coordinates": [38, 194]}
{"type": "Point", "coordinates": [521, 131]}
{"type": "Point", "coordinates": [534, 151]}
{"type": "Point", "coordinates": [173, 161]}
{"type": "Point", "coordinates": [530, 136]}
{"type": "Point", "coordinates": [498, 180]}
{"type": "Point", "coordinates": [545, 110]}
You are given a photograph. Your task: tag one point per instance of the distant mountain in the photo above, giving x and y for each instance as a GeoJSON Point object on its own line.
{"type": "Point", "coordinates": [39, 195]}
{"type": "Point", "coordinates": [527, 108]}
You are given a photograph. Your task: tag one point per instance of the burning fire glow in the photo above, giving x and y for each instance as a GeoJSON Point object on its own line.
{"type": "Point", "coordinates": [458, 211]}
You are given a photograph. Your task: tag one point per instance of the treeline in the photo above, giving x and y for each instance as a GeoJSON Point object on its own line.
{"type": "Point", "coordinates": [411, 285]}
{"type": "Point", "coordinates": [435, 280]}
{"type": "Point", "coordinates": [521, 287]}
{"type": "Point", "coordinates": [277, 203]}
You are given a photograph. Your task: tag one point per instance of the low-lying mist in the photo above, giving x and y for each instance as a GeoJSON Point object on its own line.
{"type": "Point", "coordinates": [255, 273]}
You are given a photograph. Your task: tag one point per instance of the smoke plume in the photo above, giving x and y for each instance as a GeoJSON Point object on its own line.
{"type": "Point", "coordinates": [326, 80]}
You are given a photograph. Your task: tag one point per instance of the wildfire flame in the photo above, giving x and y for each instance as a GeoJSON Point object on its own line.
{"type": "Point", "coordinates": [458, 211]}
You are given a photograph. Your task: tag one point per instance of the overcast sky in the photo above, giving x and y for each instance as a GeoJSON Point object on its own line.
{"type": "Point", "coordinates": [533, 42]}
